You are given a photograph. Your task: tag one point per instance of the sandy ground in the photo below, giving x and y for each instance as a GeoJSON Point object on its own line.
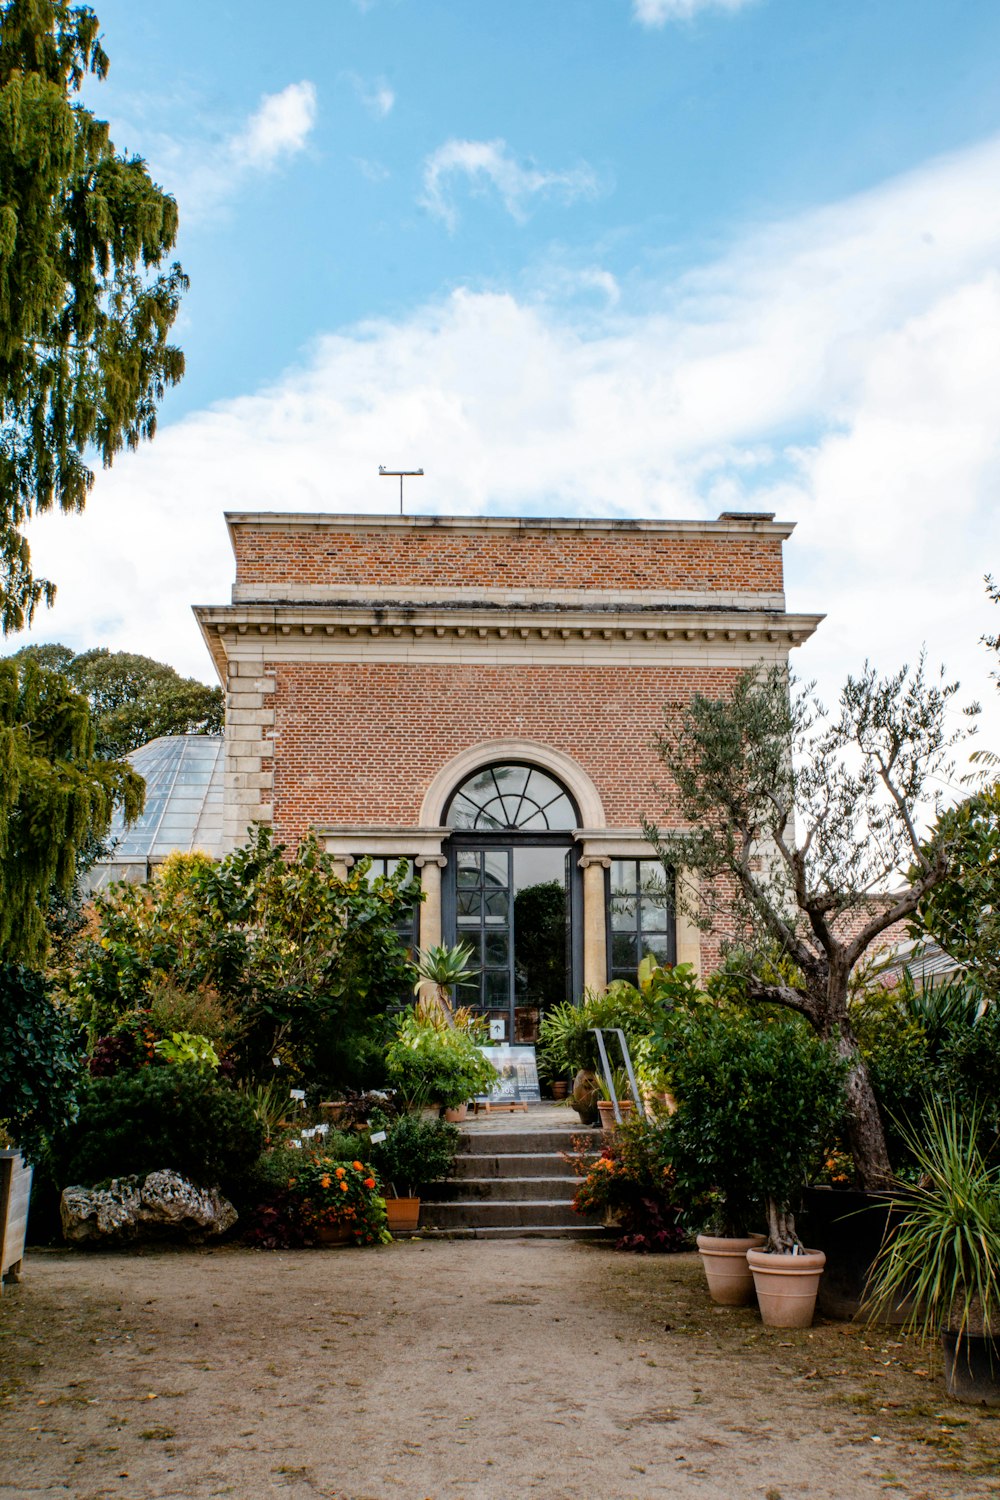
{"type": "Point", "coordinates": [451, 1371]}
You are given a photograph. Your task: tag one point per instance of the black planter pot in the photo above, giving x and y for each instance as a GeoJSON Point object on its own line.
{"type": "Point", "coordinates": [849, 1227]}
{"type": "Point", "coordinates": [972, 1368]}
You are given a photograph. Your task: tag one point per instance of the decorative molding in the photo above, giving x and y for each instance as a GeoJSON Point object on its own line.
{"type": "Point", "coordinates": [730, 523]}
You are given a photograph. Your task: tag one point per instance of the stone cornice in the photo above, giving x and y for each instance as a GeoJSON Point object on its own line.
{"type": "Point", "coordinates": [728, 524]}
{"type": "Point", "coordinates": [349, 631]}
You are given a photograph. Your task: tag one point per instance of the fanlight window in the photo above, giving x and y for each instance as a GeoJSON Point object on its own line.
{"type": "Point", "coordinates": [502, 798]}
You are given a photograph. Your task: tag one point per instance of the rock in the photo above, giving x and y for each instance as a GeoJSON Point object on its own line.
{"type": "Point", "coordinates": [129, 1208]}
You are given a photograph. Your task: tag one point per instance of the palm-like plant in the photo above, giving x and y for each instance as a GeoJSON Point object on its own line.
{"type": "Point", "coordinates": [444, 968]}
{"type": "Point", "coordinates": [941, 1261]}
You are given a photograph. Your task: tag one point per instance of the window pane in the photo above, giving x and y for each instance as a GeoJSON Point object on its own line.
{"type": "Point", "coordinates": [658, 946]}
{"type": "Point", "coordinates": [497, 906]}
{"type": "Point", "coordinates": [623, 912]}
{"type": "Point", "coordinates": [496, 988]}
{"type": "Point", "coordinates": [624, 951]}
{"type": "Point", "coordinates": [655, 915]}
{"type": "Point", "coordinates": [468, 906]}
{"type": "Point", "coordinates": [495, 870]}
{"type": "Point", "coordinates": [511, 796]}
{"type": "Point", "coordinates": [497, 949]}
{"type": "Point", "coordinates": [623, 874]}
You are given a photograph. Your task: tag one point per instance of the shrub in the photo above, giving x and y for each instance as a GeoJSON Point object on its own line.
{"type": "Point", "coordinates": [179, 1118]}
{"type": "Point", "coordinates": [415, 1153]}
{"type": "Point", "coordinates": [41, 1060]}
{"type": "Point", "coordinates": [341, 1193]}
{"type": "Point", "coordinates": [431, 1060]}
{"type": "Point", "coordinates": [632, 1181]}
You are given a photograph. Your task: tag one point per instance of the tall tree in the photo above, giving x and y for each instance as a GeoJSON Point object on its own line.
{"type": "Point", "coordinates": [55, 794]}
{"type": "Point", "coordinates": [84, 313]}
{"type": "Point", "coordinates": [133, 699]}
{"type": "Point", "coordinates": [806, 836]}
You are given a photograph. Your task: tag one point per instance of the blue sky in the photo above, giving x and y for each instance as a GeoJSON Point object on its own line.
{"type": "Point", "coordinates": [627, 257]}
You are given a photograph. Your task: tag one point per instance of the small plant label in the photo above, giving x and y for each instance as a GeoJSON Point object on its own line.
{"type": "Point", "coordinates": [299, 1094]}
{"type": "Point", "coordinates": [376, 1136]}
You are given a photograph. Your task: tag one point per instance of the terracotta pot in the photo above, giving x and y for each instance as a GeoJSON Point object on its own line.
{"type": "Point", "coordinates": [560, 1089]}
{"type": "Point", "coordinates": [456, 1115]}
{"type": "Point", "coordinates": [403, 1214]}
{"type": "Point", "coordinates": [786, 1286]}
{"type": "Point", "coordinates": [972, 1368]}
{"type": "Point", "coordinates": [333, 1234]}
{"type": "Point", "coordinates": [585, 1096]}
{"type": "Point", "coordinates": [606, 1110]}
{"type": "Point", "coordinates": [730, 1280]}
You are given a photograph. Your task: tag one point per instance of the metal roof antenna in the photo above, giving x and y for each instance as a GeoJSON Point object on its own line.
{"type": "Point", "coordinates": [401, 474]}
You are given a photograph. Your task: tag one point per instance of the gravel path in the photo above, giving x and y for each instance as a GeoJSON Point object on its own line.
{"type": "Point", "coordinates": [453, 1371]}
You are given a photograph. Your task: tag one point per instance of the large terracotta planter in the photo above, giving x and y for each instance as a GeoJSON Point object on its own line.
{"type": "Point", "coordinates": [456, 1113]}
{"type": "Point", "coordinates": [403, 1214]}
{"type": "Point", "coordinates": [730, 1280]}
{"type": "Point", "coordinates": [15, 1192]}
{"type": "Point", "coordinates": [972, 1369]}
{"type": "Point", "coordinates": [606, 1110]}
{"type": "Point", "coordinates": [786, 1286]}
{"type": "Point", "coordinates": [333, 1234]}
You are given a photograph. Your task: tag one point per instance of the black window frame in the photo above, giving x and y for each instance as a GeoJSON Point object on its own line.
{"type": "Point", "coordinates": [627, 972]}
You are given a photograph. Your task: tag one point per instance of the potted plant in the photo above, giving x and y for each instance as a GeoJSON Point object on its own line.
{"type": "Point", "coordinates": [412, 1154]}
{"type": "Point", "coordinates": [756, 1103]}
{"type": "Point", "coordinates": [339, 1202]}
{"type": "Point", "coordinates": [41, 1061]}
{"type": "Point", "coordinates": [940, 1263]}
{"type": "Point", "coordinates": [619, 1093]}
{"type": "Point", "coordinates": [443, 968]}
{"type": "Point", "coordinates": [438, 1057]}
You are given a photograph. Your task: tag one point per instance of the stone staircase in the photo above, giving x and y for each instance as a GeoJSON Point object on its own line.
{"type": "Point", "coordinates": [510, 1182]}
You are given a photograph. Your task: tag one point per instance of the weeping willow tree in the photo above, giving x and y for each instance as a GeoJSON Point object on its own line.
{"type": "Point", "coordinates": [85, 311]}
{"type": "Point", "coordinates": [55, 795]}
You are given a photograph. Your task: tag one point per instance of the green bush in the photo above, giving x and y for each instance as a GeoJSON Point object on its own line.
{"type": "Point", "coordinates": [41, 1060]}
{"type": "Point", "coordinates": [415, 1153]}
{"type": "Point", "coordinates": [179, 1118]}
{"type": "Point", "coordinates": [430, 1060]}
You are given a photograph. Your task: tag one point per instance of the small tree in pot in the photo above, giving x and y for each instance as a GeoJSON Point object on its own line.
{"type": "Point", "coordinates": [412, 1154]}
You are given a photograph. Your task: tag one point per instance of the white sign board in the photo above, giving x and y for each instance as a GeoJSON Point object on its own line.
{"type": "Point", "coordinates": [518, 1081]}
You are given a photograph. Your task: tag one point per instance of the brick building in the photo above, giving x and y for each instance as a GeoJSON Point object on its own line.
{"type": "Point", "coordinates": [479, 695]}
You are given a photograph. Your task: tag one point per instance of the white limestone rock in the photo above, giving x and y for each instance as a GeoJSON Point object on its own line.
{"type": "Point", "coordinates": [129, 1208]}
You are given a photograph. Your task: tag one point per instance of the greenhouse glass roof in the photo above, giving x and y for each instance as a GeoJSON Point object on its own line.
{"type": "Point", "coordinates": [184, 792]}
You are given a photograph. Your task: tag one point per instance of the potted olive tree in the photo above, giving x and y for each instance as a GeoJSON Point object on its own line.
{"type": "Point", "coordinates": [757, 1102]}
{"type": "Point", "coordinates": [41, 1058]}
{"type": "Point", "coordinates": [939, 1266]}
{"type": "Point", "coordinates": [409, 1154]}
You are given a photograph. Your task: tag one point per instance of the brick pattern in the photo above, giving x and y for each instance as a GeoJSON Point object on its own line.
{"type": "Point", "coordinates": [387, 560]}
{"type": "Point", "coordinates": [360, 744]}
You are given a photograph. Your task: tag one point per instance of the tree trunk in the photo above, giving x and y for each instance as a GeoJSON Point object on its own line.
{"type": "Point", "coordinates": [863, 1126]}
{"type": "Point", "coordinates": [781, 1236]}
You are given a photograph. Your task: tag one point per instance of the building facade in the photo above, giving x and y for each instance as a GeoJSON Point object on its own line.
{"type": "Point", "coordinates": [480, 696]}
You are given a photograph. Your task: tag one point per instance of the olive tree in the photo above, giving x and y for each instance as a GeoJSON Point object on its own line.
{"type": "Point", "coordinates": [804, 828]}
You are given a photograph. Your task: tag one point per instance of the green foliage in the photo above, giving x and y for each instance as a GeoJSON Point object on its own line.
{"type": "Point", "coordinates": [941, 1263]}
{"type": "Point", "coordinates": [177, 1118]}
{"type": "Point", "coordinates": [540, 924]}
{"type": "Point", "coordinates": [183, 1049]}
{"type": "Point", "coordinates": [430, 1059]}
{"type": "Point", "coordinates": [415, 1153]}
{"type": "Point", "coordinates": [345, 1193]}
{"type": "Point", "coordinates": [55, 795]}
{"type": "Point", "coordinates": [566, 1041]}
{"type": "Point", "coordinates": [133, 699]}
{"type": "Point", "coordinates": [632, 1182]}
{"type": "Point", "coordinates": [84, 318]}
{"type": "Point", "coordinates": [962, 912]}
{"type": "Point", "coordinates": [757, 1105]}
{"type": "Point", "coordinates": [305, 962]}
{"type": "Point", "coordinates": [41, 1060]}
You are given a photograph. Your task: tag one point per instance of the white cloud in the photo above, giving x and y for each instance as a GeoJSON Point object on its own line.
{"type": "Point", "coordinates": [376, 96]}
{"type": "Point", "coordinates": [659, 12]}
{"type": "Point", "coordinates": [490, 163]}
{"type": "Point", "coordinates": [841, 368]}
{"type": "Point", "coordinates": [204, 177]}
{"type": "Point", "coordinates": [277, 129]}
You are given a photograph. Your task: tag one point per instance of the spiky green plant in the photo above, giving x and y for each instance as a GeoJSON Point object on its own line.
{"type": "Point", "coordinates": [940, 1261]}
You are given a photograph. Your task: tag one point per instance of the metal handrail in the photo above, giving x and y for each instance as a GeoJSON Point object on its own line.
{"type": "Point", "coordinates": [605, 1064]}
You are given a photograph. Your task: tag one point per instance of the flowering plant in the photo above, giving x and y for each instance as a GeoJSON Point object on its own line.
{"type": "Point", "coordinates": [631, 1184]}
{"type": "Point", "coordinates": [346, 1193]}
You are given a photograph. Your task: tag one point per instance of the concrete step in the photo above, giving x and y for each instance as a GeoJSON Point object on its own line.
{"type": "Point", "coordinates": [507, 1189]}
{"type": "Point", "coordinates": [490, 1214]}
{"type": "Point", "coordinates": [579, 1231]}
{"type": "Point", "coordinates": [511, 1164]}
{"type": "Point", "coordinates": [521, 1142]}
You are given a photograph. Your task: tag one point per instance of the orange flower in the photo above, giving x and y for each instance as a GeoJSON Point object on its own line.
{"type": "Point", "coordinates": [324, 1182]}
{"type": "Point", "coordinates": [339, 1172]}
{"type": "Point", "coordinates": [343, 1187]}
{"type": "Point", "coordinates": [369, 1182]}
{"type": "Point", "coordinates": [357, 1166]}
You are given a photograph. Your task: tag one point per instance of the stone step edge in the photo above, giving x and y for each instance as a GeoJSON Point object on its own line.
{"type": "Point", "coordinates": [595, 1232]}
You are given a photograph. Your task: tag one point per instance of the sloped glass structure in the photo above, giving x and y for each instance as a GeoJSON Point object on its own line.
{"type": "Point", "coordinates": [184, 792]}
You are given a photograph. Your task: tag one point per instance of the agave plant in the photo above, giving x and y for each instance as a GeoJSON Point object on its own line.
{"type": "Point", "coordinates": [444, 968]}
{"type": "Point", "coordinates": [940, 1262]}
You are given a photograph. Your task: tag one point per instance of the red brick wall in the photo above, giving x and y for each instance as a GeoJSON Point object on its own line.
{"type": "Point", "coordinates": [361, 743]}
{"type": "Point", "coordinates": [429, 558]}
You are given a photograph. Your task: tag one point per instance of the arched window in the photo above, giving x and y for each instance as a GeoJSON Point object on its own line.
{"type": "Point", "coordinates": [511, 798]}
